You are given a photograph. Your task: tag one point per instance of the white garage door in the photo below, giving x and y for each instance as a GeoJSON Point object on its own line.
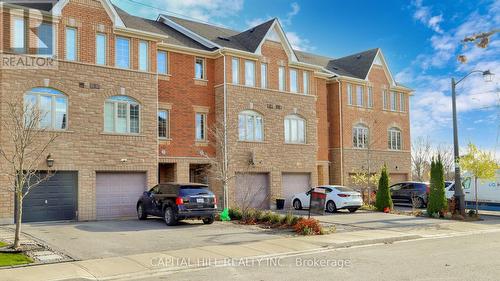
{"type": "Point", "coordinates": [294, 183]}
{"type": "Point", "coordinates": [117, 194]}
{"type": "Point", "coordinates": [252, 190]}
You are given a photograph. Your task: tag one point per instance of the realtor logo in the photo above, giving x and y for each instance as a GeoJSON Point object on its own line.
{"type": "Point", "coordinates": [30, 40]}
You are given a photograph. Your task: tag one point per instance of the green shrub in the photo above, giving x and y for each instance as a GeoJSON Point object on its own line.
{"type": "Point", "coordinates": [235, 214]}
{"type": "Point", "coordinates": [288, 220]}
{"type": "Point", "coordinates": [295, 220]}
{"type": "Point", "coordinates": [249, 216]}
{"type": "Point", "coordinates": [437, 203]}
{"type": "Point", "coordinates": [383, 199]}
{"type": "Point", "coordinates": [266, 216]}
{"type": "Point", "coordinates": [275, 218]}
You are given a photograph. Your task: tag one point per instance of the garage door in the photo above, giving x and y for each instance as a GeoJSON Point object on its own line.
{"type": "Point", "coordinates": [52, 200]}
{"type": "Point", "coordinates": [397, 178]}
{"type": "Point", "coordinates": [294, 183]}
{"type": "Point", "coordinates": [252, 190]}
{"type": "Point", "coordinates": [117, 194]}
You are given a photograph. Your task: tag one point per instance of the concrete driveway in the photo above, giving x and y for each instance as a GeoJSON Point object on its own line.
{"type": "Point", "coordinates": [102, 239]}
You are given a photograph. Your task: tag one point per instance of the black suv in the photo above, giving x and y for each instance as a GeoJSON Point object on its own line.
{"type": "Point", "coordinates": [410, 192]}
{"type": "Point", "coordinates": [176, 201]}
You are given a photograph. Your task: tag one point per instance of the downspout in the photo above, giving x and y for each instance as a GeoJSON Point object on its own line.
{"type": "Point", "coordinates": [226, 195]}
{"type": "Point", "coordinates": [341, 135]}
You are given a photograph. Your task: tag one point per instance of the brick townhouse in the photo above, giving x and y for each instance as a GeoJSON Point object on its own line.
{"type": "Point", "coordinates": [135, 101]}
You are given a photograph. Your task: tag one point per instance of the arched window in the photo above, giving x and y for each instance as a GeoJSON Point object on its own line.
{"type": "Point", "coordinates": [51, 108]}
{"type": "Point", "coordinates": [394, 138]}
{"type": "Point", "coordinates": [360, 135]}
{"type": "Point", "coordinates": [121, 115]}
{"type": "Point", "coordinates": [250, 126]}
{"type": "Point", "coordinates": [295, 129]}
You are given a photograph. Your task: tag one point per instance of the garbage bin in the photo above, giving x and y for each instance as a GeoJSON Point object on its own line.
{"type": "Point", "coordinates": [280, 204]}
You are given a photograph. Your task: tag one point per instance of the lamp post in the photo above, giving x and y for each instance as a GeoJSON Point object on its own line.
{"type": "Point", "coordinates": [459, 193]}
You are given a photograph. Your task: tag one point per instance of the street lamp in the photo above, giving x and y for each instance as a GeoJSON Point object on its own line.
{"type": "Point", "coordinates": [459, 193]}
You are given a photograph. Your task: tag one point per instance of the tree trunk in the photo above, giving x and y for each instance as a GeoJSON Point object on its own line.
{"type": "Point", "coordinates": [475, 193]}
{"type": "Point", "coordinates": [19, 216]}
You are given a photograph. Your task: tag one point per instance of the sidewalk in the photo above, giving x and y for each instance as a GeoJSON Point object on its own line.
{"type": "Point", "coordinates": [149, 264]}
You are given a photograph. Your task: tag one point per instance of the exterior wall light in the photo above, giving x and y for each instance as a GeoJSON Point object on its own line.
{"type": "Point", "coordinates": [50, 161]}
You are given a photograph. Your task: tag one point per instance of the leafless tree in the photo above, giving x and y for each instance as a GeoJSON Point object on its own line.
{"type": "Point", "coordinates": [421, 151]}
{"type": "Point", "coordinates": [23, 151]}
{"type": "Point", "coordinates": [447, 158]}
{"type": "Point", "coordinates": [256, 197]}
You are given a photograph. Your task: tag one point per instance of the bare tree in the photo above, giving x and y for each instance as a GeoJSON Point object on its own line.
{"type": "Point", "coordinates": [447, 158]}
{"type": "Point", "coordinates": [24, 150]}
{"type": "Point", "coordinates": [421, 151]}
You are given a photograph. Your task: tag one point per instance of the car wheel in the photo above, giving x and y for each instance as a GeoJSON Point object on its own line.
{"type": "Point", "coordinates": [297, 205]}
{"type": "Point", "coordinates": [352, 210]}
{"type": "Point", "coordinates": [419, 202]}
{"type": "Point", "coordinates": [331, 207]}
{"type": "Point", "coordinates": [141, 213]}
{"type": "Point", "coordinates": [169, 216]}
{"type": "Point", "coordinates": [209, 220]}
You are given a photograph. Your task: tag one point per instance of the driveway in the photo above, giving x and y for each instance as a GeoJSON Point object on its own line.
{"type": "Point", "coordinates": [102, 239]}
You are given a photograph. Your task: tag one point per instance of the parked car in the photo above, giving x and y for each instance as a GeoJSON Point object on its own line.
{"type": "Point", "coordinates": [337, 197]}
{"type": "Point", "coordinates": [176, 201]}
{"type": "Point", "coordinates": [412, 192]}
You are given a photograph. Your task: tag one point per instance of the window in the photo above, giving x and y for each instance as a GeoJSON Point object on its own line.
{"type": "Point", "coordinates": [295, 131]}
{"type": "Point", "coordinates": [19, 35]}
{"type": "Point", "coordinates": [250, 126]}
{"type": "Point", "coordinates": [394, 139]}
{"type": "Point", "coordinates": [100, 49]}
{"type": "Point", "coordinates": [122, 52]}
{"type": "Point", "coordinates": [250, 73]}
{"type": "Point", "coordinates": [143, 56]}
{"type": "Point", "coordinates": [281, 78]}
{"type": "Point", "coordinates": [71, 43]}
{"type": "Point", "coordinates": [199, 68]}
{"type": "Point", "coordinates": [263, 75]}
{"type": "Point", "coordinates": [384, 98]}
{"type": "Point", "coordinates": [235, 70]}
{"type": "Point", "coordinates": [349, 94]}
{"type": "Point", "coordinates": [360, 136]}
{"type": "Point", "coordinates": [402, 102]}
{"type": "Point", "coordinates": [394, 101]}
{"type": "Point", "coordinates": [359, 95]}
{"type": "Point", "coordinates": [201, 123]}
{"type": "Point", "coordinates": [162, 62]}
{"type": "Point", "coordinates": [305, 83]}
{"type": "Point", "coordinates": [293, 81]}
{"type": "Point", "coordinates": [121, 115]}
{"type": "Point", "coordinates": [163, 124]}
{"type": "Point", "coordinates": [46, 39]}
{"type": "Point", "coordinates": [370, 97]}
{"type": "Point", "coordinates": [50, 105]}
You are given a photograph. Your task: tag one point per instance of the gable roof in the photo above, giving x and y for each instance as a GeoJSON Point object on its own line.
{"type": "Point", "coordinates": [356, 65]}
{"type": "Point", "coordinates": [252, 37]}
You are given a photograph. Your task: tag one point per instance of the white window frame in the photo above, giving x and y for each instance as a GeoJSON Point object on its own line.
{"type": "Point", "coordinates": [349, 94]}
{"type": "Point", "coordinates": [294, 80]}
{"type": "Point", "coordinates": [394, 140]}
{"type": "Point", "coordinates": [18, 42]}
{"type": "Point", "coordinates": [158, 62]}
{"type": "Point", "coordinates": [295, 136]}
{"type": "Point", "coordinates": [243, 132]}
{"type": "Point", "coordinates": [384, 99]}
{"type": "Point", "coordinates": [143, 47]}
{"type": "Point", "coordinates": [263, 75]}
{"type": "Point", "coordinates": [402, 102]}
{"type": "Point", "coordinates": [249, 73]}
{"type": "Point", "coordinates": [97, 47]}
{"type": "Point", "coordinates": [128, 101]}
{"type": "Point", "coordinates": [360, 96]}
{"type": "Point", "coordinates": [203, 68]}
{"type": "Point", "coordinates": [281, 79]}
{"type": "Point", "coordinates": [167, 123]}
{"type": "Point", "coordinates": [370, 97]}
{"type": "Point", "coordinates": [53, 94]}
{"type": "Point", "coordinates": [235, 70]}
{"type": "Point", "coordinates": [394, 101]}
{"type": "Point", "coordinates": [360, 136]}
{"type": "Point", "coordinates": [203, 126]}
{"type": "Point", "coordinates": [67, 46]}
{"type": "Point", "coordinates": [305, 82]}
{"type": "Point", "coordinates": [128, 66]}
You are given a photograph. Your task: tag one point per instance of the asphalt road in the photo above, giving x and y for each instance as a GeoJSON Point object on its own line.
{"type": "Point", "coordinates": [473, 257]}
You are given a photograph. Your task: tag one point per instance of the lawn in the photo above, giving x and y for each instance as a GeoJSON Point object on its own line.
{"type": "Point", "coordinates": [13, 259]}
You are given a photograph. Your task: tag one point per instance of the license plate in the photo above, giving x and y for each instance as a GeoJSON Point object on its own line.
{"type": "Point", "coordinates": [200, 200]}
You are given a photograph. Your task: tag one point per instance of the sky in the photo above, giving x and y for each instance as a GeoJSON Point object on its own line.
{"type": "Point", "coordinates": [420, 39]}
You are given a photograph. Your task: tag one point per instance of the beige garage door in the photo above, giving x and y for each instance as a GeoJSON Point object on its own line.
{"type": "Point", "coordinates": [252, 190]}
{"type": "Point", "coordinates": [117, 194]}
{"type": "Point", "coordinates": [397, 178]}
{"type": "Point", "coordinates": [294, 183]}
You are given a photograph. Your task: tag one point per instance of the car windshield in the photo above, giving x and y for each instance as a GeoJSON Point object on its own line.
{"type": "Point", "coordinates": [344, 189]}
